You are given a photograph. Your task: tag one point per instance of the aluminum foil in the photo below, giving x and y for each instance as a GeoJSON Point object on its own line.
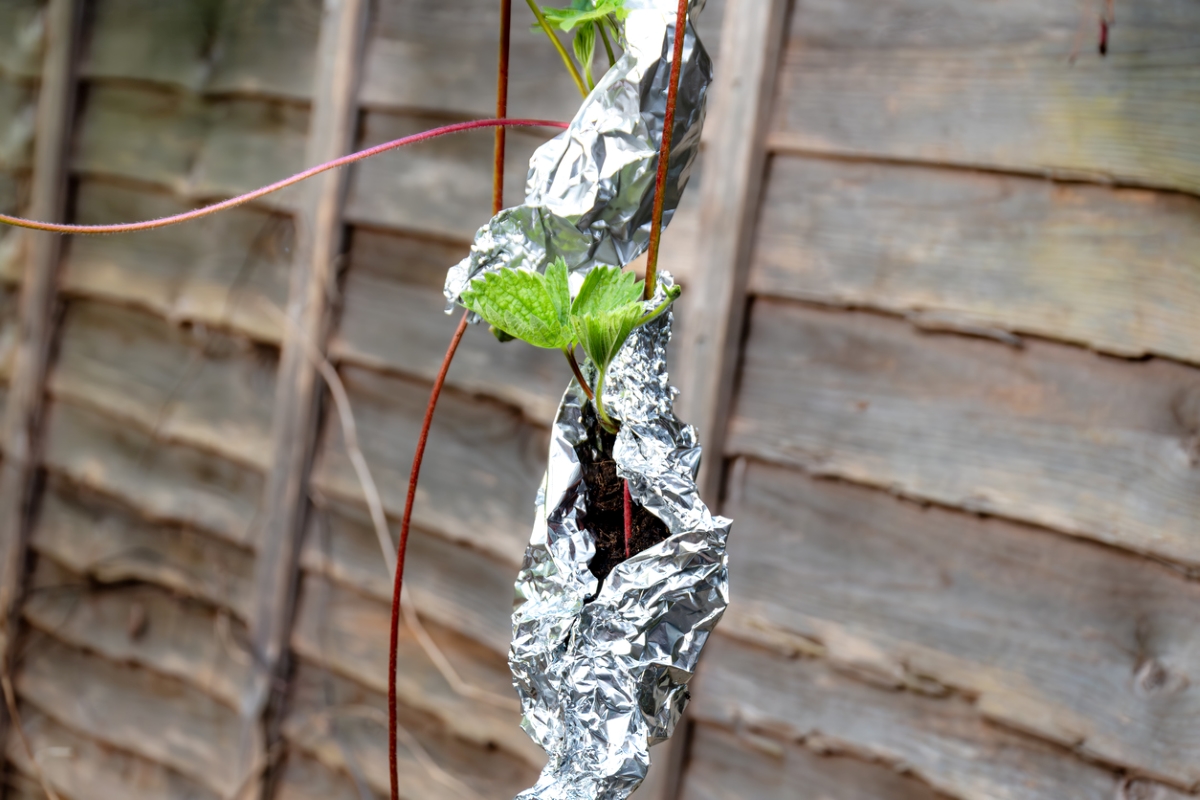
{"type": "Point", "coordinates": [590, 192]}
{"type": "Point", "coordinates": [602, 670]}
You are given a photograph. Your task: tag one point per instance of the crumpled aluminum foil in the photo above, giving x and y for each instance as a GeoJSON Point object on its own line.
{"type": "Point", "coordinates": [602, 670]}
{"type": "Point", "coordinates": [590, 193]}
{"type": "Point", "coordinates": [603, 679]}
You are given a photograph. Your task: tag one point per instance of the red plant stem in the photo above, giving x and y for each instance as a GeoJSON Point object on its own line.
{"type": "Point", "coordinates": [628, 518]}
{"type": "Point", "coordinates": [501, 106]}
{"type": "Point", "coordinates": [224, 205]}
{"type": "Point", "coordinates": [664, 155]}
{"type": "Point", "coordinates": [419, 456]}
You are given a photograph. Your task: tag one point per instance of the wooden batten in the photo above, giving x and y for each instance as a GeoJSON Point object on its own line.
{"type": "Point", "coordinates": [309, 313]}
{"type": "Point", "coordinates": [753, 36]}
{"type": "Point", "coordinates": [24, 404]}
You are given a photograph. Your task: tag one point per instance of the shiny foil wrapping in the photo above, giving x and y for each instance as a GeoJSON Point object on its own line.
{"type": "Point", "coordinates": [602, 670]}
{"type": "Point", "coordinates": [590, 193]}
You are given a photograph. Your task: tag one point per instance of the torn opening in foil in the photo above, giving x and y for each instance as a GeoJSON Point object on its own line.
{"type": "Point", "coordinates": [602, 669]}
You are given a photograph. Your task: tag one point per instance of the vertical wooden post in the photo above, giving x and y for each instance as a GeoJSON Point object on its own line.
{"type": "Point", "coordinates": [735, 162]}
{"type": "Point", "coordinates": [332, 131]}
{"type": "Point", "coordinates": [752, 38]}
{"type": "Point", "coordinates": [23, 413]}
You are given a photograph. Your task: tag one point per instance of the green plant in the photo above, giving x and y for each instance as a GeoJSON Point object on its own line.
{"type": "Point", "coordinates": [591, 21]}
{"type": "Point", "coordinates": [538, 309]}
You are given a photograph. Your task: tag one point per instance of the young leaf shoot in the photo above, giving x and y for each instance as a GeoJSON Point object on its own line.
{"type": "Point", "coordinates": [538, 309]}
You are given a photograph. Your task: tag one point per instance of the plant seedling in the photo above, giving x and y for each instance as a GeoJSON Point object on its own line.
{"type": "Point", "coordinates": [538, 309]}
{"type": "Point", "coordinates": [591, 21]}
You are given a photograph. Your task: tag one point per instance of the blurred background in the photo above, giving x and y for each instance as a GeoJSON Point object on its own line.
{"type": "Point", "coordinates": [940, 336]}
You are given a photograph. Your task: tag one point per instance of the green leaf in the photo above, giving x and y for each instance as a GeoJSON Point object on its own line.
{"type": "Point", "coordinates": [606, 289]}
{"type": "Point", "coordinates": [585, 51]}
{"type": "Point", "coordinates": [602, 335]}
{"type": "Point", "coordinates": [585, 12]}
{"type": "Point", "coordinates": [524, 304]}
{"type": "Point", "coordinates": [559, 287]}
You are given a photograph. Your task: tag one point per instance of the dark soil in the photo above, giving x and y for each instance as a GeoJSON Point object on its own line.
{"type": "Point", "coordinates": [606, 509]}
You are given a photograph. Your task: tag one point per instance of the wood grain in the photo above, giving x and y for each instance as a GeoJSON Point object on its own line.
{"type": "Point", "coordinates": [1076, 442]}
{"type": "Point", "coordinates": [296, 412]}
{"type": "Point", "coordinates": [744, 91]}
{"type": "Point", "coordinates": [941, 742]}
{"type": "Point", "coordinates": [198, 149]}
{"type": "Point", "coordinates": [81, 768]}
{"type": "Point", "coordinates": [1076, 642]}
{"type": "Point", "coordinates": [24, 403]}
{"type": "Point", "coordinates": [454, 585]}
{"type": "Point", "coordinates": [436, 55]}
{"type": "Point", "coordinates": [1115, 270]}
{"type": "Point", "coordinates": [22, 37]}
{"type": "Point", "coordinates": [14, 188]}
{"type": "Point", "coordinates": [725, 766]}
{"type": "Point", "coordinates": [199, 388]}
{"type": "Point", "coordinates": [344, 727]}
{"type": "Point", "coordinates": [18, 107]}
{"type": "Point", "coordinates": [990, 86]}
{"type": "Point", "coordinates": [144, 626]}
{"type": "Point", "coordinates": [347, 633]}
{"type": "Point", "coordinates": [305, 778]}
{"type": "Point", "coordinates": [440, 188]}
{"type": "Point", "coordinates": [480, 476]}
{"type": "Point", "coordinates": [216, 272]}
{"type": "Point", "coordinates": [258, 48]}
{"type": "Point", "coordinates": [381, 312]}
{"type": "Point", "coordinates": [167, 483]}
{"type": "Point", "coordinates": [120, 705]}
{"type": "Point", "coordinates": [111, 544]}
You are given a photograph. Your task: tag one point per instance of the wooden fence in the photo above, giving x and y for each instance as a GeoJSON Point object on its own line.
{"type": "Point", "coordinates": [939, 335]}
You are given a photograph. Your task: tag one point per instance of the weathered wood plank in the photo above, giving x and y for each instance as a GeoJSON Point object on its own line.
{"type": "Point", "coordinates": [745, 89]}
{"type": "Point", "coordinates": [22, 37]}
{"type": "Point", "coordinates": [380, 313]}
{"type": "Point", "coordinates": [432, 54]}
{"type": "Point", "coordinates": [1077, 442]}
{"type": "Point", "coordinates": [166, 483]}
{"type": "Point", "coordinates": [24, 405]}
{"type": "Point", "coordinates": [8, 335]}
{"type": "Point", "coordinates": [942, 742]}
{"type": "Point", "coordinates": [1082, 644]}
{"type": "Point", "coordinates": [80, 768]}
{"type": "Point", "coordinates": [194, 387]}
{"type": "Point", "coordinates": [216, 271]}
{"type": "Point", "coordinates": [199, 149]}
{"type": "Point", "coordinates": [456, 586]}
{"type": "Point", "coordinates": [304, 778]}
{"type": "Point", "coordinates": [18, 109]}
{"type": "Point", "coordinates": [1116, 270]}
{"type": "Point", "coordinates": [143, 626]}
{"type": "Point", "coordinates": [260, 48]}
{"type": "Point", "coordinates": [991, 86]}
{"type": "Point", "coordinates": [111, 544]}
{"type": "Point", "coordinates": [348, 633]}
{"type": "Point", "coordinates": [725, 766]}
{"type": "Point", "coordinates": [440, 188]}
{"type": "Point", "coordinates": [296, 418]}
{"type": "Point", "coordinates": [154, 717]}
{"type": "Point", "coordinates": [480, 475]}
{"type": "Point", "coordinates": [345, 728]}
{"type": "Point", "coordinates": [14, 188]}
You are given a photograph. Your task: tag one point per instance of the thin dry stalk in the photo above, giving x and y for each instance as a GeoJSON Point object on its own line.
{"type": "Point", "coordinates": [370, 489]}
{"type": "Point", "coordinates": [10, 698]}
{"type": "Point", "coordinates": [411, 743]}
